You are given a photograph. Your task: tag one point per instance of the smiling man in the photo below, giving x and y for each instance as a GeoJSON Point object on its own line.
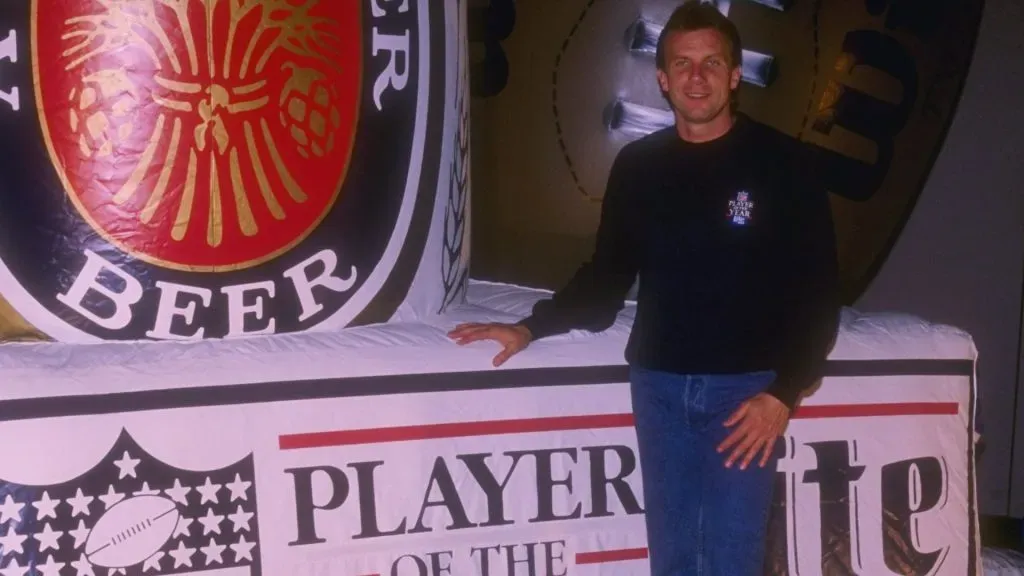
{"type": "Point", "coordinates": [730, 231]}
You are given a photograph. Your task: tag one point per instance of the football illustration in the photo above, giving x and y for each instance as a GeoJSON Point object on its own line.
{"type": "Point", "coordinates": [131, 531]}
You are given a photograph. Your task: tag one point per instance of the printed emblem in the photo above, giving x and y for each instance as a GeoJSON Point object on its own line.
{"type": "Point", "coordinates": [741, 209]}
{"type": "Point", "coordinates": [210, 168]}
{"type": "Point", "coordinates": [191, 156]}
{"type": "Point", "coordinates": [132, 514]}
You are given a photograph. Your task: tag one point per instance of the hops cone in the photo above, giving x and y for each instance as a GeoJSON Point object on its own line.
{"type": "Point", "coordinates": [101, 111]}
{"type": "Point", "coordinates": [307, 111]}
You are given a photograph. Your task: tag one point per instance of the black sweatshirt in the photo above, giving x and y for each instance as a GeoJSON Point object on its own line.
{"type": "Point", "coordinates": [735, 249]}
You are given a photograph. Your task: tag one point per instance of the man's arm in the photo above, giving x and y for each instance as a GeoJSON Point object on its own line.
{"type": "Point", "coordinates": [596, 293]}
{"type": "Point", "coordinates": [814, 301]}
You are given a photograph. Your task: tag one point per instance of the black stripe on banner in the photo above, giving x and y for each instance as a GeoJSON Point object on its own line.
{"type": "Point", "coordinates": [265, 392]}
{"type": "Point", "coordinates": [909, 367]}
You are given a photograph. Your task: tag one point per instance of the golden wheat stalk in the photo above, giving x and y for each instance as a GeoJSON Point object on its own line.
{"type": "Point", "coordinates": [297, 31]}
{"type": "Point", "coordinates": [117, 26]}
{"type": "Point", "coordinates": [294, 29]}
{"type": "Point", "coordinates": [180, 10]}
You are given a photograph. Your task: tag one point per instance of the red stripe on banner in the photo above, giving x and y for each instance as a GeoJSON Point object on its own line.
{"type": "Point", "coordinates": [452, 430]}
{"type": "Point", "coordinates": [867, 410]}
{"type": "Point", "coordinates": [606, 556]}
{"type": "Point", "coordinates": [567, 423]}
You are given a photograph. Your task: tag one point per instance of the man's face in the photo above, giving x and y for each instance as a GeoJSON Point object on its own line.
{"type": "Point", "coordinates": [698, 76]}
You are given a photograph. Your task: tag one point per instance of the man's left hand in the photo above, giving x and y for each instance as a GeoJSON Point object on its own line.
{"type": "Point", "coordinates": [758, 424]}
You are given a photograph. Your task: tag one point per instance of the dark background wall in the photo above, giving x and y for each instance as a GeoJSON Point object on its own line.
{"type": "Point", "coordinates": [960, 257]}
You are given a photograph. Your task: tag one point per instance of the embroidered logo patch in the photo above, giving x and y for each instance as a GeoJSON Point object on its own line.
{"type": "Point", "coordinates": [741, 209]}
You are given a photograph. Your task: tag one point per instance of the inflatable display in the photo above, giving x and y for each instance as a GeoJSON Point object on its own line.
{"type": "Point", "coordinates": [208, 169]}
{"type": "Point", "coordinates": [1001, 562]}
{"type": "Point", "coordinates": [389, 450]}
{"type": "Point", "coordinates": [187, 169]}
{"type": "Point", "coordinates": [564, 85]}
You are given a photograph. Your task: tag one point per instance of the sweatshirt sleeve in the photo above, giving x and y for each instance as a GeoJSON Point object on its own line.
{"type": "Point", "coordinates": [597, 291]}
{"type": "Point", "coordinates": [814, 302]}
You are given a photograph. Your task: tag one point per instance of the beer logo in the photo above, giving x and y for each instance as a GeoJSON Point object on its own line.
{"type": "Point", "coordinates": [216, 151]}
{"type": "Point", "coordinates": [206, 168]}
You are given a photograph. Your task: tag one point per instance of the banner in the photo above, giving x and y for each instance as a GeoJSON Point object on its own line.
{"type": "Point", "coordinates": [505, 472]}
{"type": "Point", "coordinates": [188, 169]}
{"type": "Point", "coordinates": [562, 87]}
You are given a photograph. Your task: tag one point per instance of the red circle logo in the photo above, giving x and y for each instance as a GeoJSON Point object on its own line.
{"type": "Point", "coordinates": [201, 135]}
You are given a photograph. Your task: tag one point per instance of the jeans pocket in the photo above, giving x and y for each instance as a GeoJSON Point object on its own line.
{"type": "Point", "coordinates": [727, 392]}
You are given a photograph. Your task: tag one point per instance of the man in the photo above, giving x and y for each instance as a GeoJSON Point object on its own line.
{"type": "Point", "coordinates": [731, 234]}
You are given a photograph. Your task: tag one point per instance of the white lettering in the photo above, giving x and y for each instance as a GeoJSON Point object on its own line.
{"type": "Point", "coordinates": [9, 51]}
{"type": "Point", "coordinates": [88, 281]}
{"type": "Point", "coordinates": [398, 46]}
{"type": "Point", "coordinates": [238, 310]}
{"type": "Point", "coordinates": [304, 285]}
{"type": "Point", "coordinates": [168, 309]}
{"type": "Point", "coordinates": [378, 10]}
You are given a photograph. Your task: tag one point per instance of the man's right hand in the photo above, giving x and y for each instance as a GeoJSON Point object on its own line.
{"type": "Point", "coordinates": [513, 337]}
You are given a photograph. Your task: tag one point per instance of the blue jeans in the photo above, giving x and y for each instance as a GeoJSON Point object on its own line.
{"type": "Point", "coordinates": [702, 518]}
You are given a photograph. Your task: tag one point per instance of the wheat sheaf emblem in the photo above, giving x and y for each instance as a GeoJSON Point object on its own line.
{"type": "Point", "coordinates": [203, 135]}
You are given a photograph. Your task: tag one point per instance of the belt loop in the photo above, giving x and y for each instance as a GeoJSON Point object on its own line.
{"type": "Point", "coordinates": [687, 386]}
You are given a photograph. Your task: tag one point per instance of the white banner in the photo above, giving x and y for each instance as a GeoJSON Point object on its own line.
{"type": "Point", "coordinates": [510, 472]}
